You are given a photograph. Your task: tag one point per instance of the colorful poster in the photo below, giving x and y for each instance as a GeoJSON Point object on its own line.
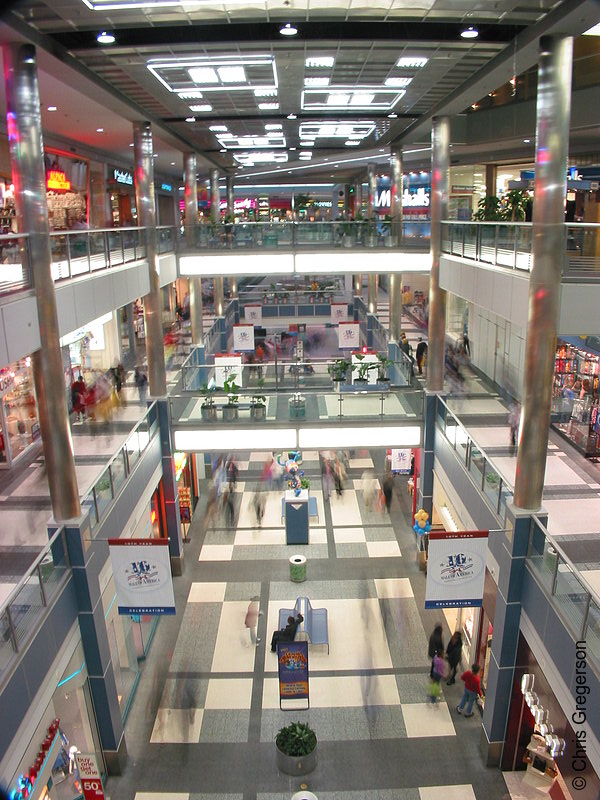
{"type": "Point", "coordinates": [253, 314]}
{"type": "Point", "coordinates": [91, 783]}
{"type": "Point", "coordinates": [349, 335]}
{"type": "Point", "coordinates": [292, 659]}
{"type": "Point", "coordinates": [455, 569]}
{"type": "Point", "coordinates": [400, 461]}
{"type": "Point", "coordinates": [339, 313]}
{"type": "Point", "coordinates": [142, 573]}
{"type": "Point", "coordinates": [243, 338]}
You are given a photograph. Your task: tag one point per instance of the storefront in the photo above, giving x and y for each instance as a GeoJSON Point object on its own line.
{"type": "Point", "coordinates": [90, 350]}
{"type": "Point", "coordinates": [187, 487]}
{"type": "Point", "coordinates": [66, 190]}
{"type": "Point", "coordinates": [19, 426]}
{"type": "Point", "coordinates": [121, 191]}
{"type": "Point", "coordinates": [575, 411]}
{"type": "Point", "coordinates": [8, 219]}
{"type": "Point", "coordinates": [48, 770]}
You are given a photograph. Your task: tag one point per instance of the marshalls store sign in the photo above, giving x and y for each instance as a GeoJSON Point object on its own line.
{"type": "Point", "coordinates": [455, 569]}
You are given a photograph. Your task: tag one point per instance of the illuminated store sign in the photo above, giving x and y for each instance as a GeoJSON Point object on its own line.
{"type": "Point", "coordinates": [57, 180]}
{"type": "Point", "coordinates": [418, 199]}
{"type": "Point", "coordinates": [166, 187]}
{"type": "Point", "coordinates": [123, 176]}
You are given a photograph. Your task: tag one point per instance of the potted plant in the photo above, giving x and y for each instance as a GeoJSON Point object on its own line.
{"type": "Point", "coordinates": [258, 403]}
{"type": "Point", "coordinates": [347, 234]}
{"type": "Point", "coordinates": [371, 239]}
{"type": "Point", "coordinates": [338, 369]}
{"type": "Point", "coordinates": [297, 406]}
{"type": "Point", "coordinates": [296, 749]}
{"type": "Point", "coordinates": [208, 409]}
{"type": "Point", "coordinates": [488, 209]}
{"type": "Point", "coordinates": [230, 409]}
{"type": "Point", "coordinates": [383, 363]}
{"type": "Point", "coordinates": [362, 369]}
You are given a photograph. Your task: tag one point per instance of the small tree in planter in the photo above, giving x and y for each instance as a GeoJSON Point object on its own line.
{"type": "Point", "coordinates": [363, 368]}
{"type": "Point", "coordinates": [296, 749]}
{"type": "Point", "coordinates": [208, 409]}
{"type": "Point", "coordinates": [382, 365]}
{"type": "Point", "coordinates": [258, 403]}
{"type": "Point", "coordinates": [231, 410]}
{"type": "Point", "coordinates": [338, 370]}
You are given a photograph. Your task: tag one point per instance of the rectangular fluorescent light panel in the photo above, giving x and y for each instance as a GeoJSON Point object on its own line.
{"type": "Point", "coordinates": [232, 142]}
{"type": "Point", "coordinates": [397, 81]}
{"type": "Point", "coordinates": [341, 436]}
{"type": "Point", "coordinates": [338, 100]}
{"type": "Point", "coordinates": [232, 74]}
{"type": "Point", "coordinates": [204, 107]}
{"type": "Point", "coordinates": [265, 92]}
{"type": "Point", "coordinates": [316, 81]}
{"type": "Point", "coordinates": [338, 129]}
{"type": "Point", "coordinates": [191, 94]}
{"type": "Point", "coordinates": [233, 438]}
{"type": "Point", "coordinates": [218, 128]}
{"type": "Point", "coordinates": [362, 99]}
{"type": "Point", "coordinates": [268, 106]}
{"type": "Point", "coordinates": [319, 61]}
{"type": "Point", "coordinates": [377, 98]}
{"type": "Point", "coordinates": [412, 62]}
{"type": "Point", "coordinates": [203, 75]}
{"type": "Point", "coordinates": [251, 264]}
{"type": "Point", "coordinates": [274, 127]}
{"type": "Point", "coordinates": [250, 159]}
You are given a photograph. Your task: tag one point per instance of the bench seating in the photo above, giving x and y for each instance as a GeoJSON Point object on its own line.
{"type": "Point", "coordinates": [315, 625]}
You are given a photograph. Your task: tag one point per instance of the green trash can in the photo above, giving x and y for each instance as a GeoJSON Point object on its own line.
{"type": "Point", "coordinates": [298, 569]}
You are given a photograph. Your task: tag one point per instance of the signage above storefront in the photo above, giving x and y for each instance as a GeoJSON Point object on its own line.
{"type": "Point", "coordinates": [57, 180]}
{"type": "Point", "coordinates": [416, 199]}
{"type": "Point", "coordinates": [166, 187]}
{"type": "Point", "coordinates": [123, 176]}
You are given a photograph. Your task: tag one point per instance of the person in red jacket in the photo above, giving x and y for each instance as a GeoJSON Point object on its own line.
{"type": "Point", "coordinates": [472, 690]}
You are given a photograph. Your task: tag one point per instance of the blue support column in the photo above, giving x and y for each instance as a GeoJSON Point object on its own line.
{"type": "Point", "coordinates": [509, 548]}
{"type": "Point", "coordinates": [171, 494]}
{"type": "Point", "coordinates": [88, 557]}
{"type": "Point", "coordinates": [425, 496]}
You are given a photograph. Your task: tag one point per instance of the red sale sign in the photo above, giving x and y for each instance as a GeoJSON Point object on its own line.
{"type": "Point", "coordinates": [91, 783]}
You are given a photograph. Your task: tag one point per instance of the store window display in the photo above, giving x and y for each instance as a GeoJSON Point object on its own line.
{"type": "Point", "coordinates": [576, 395]}
{"type": "Point", "coordinates": [19, 426]}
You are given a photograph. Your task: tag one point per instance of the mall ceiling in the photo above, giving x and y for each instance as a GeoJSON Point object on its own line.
{"type": "Point", "coordinates": [221, 80]}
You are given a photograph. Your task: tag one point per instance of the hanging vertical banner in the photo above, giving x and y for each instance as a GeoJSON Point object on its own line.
{"type": "Point", "coordinates": [339, 312]}
{"type": "Point", "coordinates": [253, 314]}
{"type": "Point", "coordinates": [89, 774]}
{"type": "Point", "coordinates": [243, 338]}
{"type": "Point", "coordinates": [400, 461]}
{"type": "Point", "coordinates": [292, 659]}
{"type": "Point", "coordinates": [349, 335]}
{"type": "Point", "coordinates": [226, 366]}
{"type": "Point", "coordinates": [455, 569]}
{"type": "Point", "coordinates": [142, 573]}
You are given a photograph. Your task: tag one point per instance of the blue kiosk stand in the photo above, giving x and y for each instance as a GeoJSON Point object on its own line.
{"type": "Point", "coordinates": [295, 511]}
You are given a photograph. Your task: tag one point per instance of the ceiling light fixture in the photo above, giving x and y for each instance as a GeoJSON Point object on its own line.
{"type": "Point", "coordinates": [470, 33]}
{"type": "Point", "coordinates": [526, 141]}
{"type": "Point", "coordinates": [392, 116]}
{"type": "Point", "coordinates": [232, 74]}
{"type": "Point", "coordinates": [105, 38]}
{"type": "Point", "coordinates": [352, 142]}
{"type": "Point", "coordinates": [316, 81]}
{"type": "Point", "coordinates": [292, 148]}
{"type": "Point", "coordinates": [218, 128]}
{"type": "Point", "coordinates": [274, 127]}
{"type": "Point", "coordinates": [190, 119]}
{"type": "Point", "coordinates": [411, 62]}
{"type": "Point", "coordinates": [291, 116]}
{"type": "Point", "coordinates": [319, 61]}
{"type": "Point", "coordinates": [204, 107]}
{"type": "Point", "coordinates": [203, 75]}
{"type": "Point", "coordinates": [397, 81]}
{"type": "Point", "coordinates": [99, 130]}
{"type": "Point", "coordinates": [268, 106]}
{"type": "Point", "coordinates": [260, 92]}
{"type": "Point", "coordinates": [288, 30]}
{"type": "Point", "coordinates": [52, 108]}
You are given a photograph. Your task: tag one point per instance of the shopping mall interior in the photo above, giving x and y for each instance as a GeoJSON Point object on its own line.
{"type": "Point", "coordinates": [299, 338]}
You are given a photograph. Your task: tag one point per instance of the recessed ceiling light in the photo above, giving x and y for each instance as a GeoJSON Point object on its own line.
{"type": "Point", "coordinates": [291, 116]}
{"type": "Point", "coordinates": [190, 119]}
{"type": "Point", "coordinates": [316, 81]}
{"type": "Point", "coordinates": [292, 148]}
{"type": "Point", "coordinates": [220, 128]}
{"type": "Point", "coordinates": [105, 38]}
{"type": "Point", "coordinates": [392, 116]}
{"type": "Point", "coordinates": [470, 33]}
{"type": "Point", "coordinates": [362, 99]}
{"type": "Point", "coordinates": [276, 126]}
{"type": "Point", "coordinates": [338, 99]}
{"type": "Point", "coordinates": [527, 141]}
{"type": "Point", "coordinates": [130, 144]}
{"type": "Point", "coordinates": [397, 81]}
{"type": "Point", "coordinates": [203, 75]}
{"type": "Point", "coordinates": [352, 142]}
{"type": "Point", "coordinates": [268, 106]}
{"type": "Point", "coordinates": [232, 74]}
{"type": "Point", "coordinates": [172, 163]}
{"type": "Point", "coordinates": [204, 107]}
{"type": "Point", "coordinates": [319, 61]}
{"type": "Point", "coordinates": [258, 92]}
{"type": "Point", "coordinates": [223, 150]}
{"type": "Point", "coordinates": [52, 108]}
{"type": "Point", "coordinates": [154, 155]}
{"type": "Point", "coordinates": [288, 30]}
{"type": "Point", "coordinates": [411, 62]}
{"type": "Point", "coordinates": [190, 94]}
{"type": "Point", "coordinates": [99, 130]}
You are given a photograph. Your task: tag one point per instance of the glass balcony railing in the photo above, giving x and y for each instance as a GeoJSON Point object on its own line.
{"type": "Point", "coordinates": [118, 469]}
{"type": "Point", "coordinates": [509, 245]}
{"type": "Point", "coordinates": [15, 273]}
{"type": "Point", "coordinates": [20, 612]}
{"type": "Point", "coordinates": [577, 603]}
{"type": "Point", "coordinates": [493, 486]}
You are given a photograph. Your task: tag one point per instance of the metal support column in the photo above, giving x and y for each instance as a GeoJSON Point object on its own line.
{"type": "Point", "coordinates": [372, 190]}
{"type": "Point", "coordinates": [169, 484]}
{"type": "Point", "coordinates": [440, 157]}
{"type": "Point", "coordinates": [395, 294]}
{"type": "Point", "coordinates": [27, 163]}
{"type": "Point", "coordinates": [131, 307]}
{"type": "Point", "coordinates": [144, 197]}
{"type": "Point", "coordinates": [552, 140]}
{"type": "Point", "coordinates": [191, 228]}
{"type": "Point", "coordinates": [230, 199]}
{"type": "Point", "coordinates": [357, 285]}
{"type": "Point", "coordinates": [372, 288]}
{"type": "Point", "coordinates": [396, 195]}
{"type": "Point", "coordinates": [358, 199]}
{"type": "Point", "coordinates": [215, 215]}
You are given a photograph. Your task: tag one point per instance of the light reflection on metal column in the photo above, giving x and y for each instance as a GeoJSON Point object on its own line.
{"type": "Point", "coordinates": [27, 162]}
{"type": "Point", "coordinates": [219, 297]}
{"type": "Point", "coordinates": [146, 211]}
{"type": "Point", "coordinates": [396, 195]}
{"type": "Point", "coordinates": [195, 289]}
{"type": "Point", "coordinates": [372, 287]}
{"type": "Point", "coordinates": [552, 140]}
{"type": "Point", "coordinates": [395, 280]}
{"type": "Point", "coordinates": [191, 228]}
{"type": "Point", "coordinates": [230, 198]}
{"type": "Point", "coordinates": [215, 198]}
{"type": "Point", "coordinates": [357, 199]}
{"type": "Point", "coordinates": [233, 287]}
{"type": "Point", "coordinates": [440, 156]}
{"type": "Point", "coordinates": [357, 285]}
{"type": "Point", "coordinates": [372, 189]}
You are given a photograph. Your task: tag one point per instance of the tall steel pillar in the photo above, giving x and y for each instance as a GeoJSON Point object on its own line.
{"type": "Point", "coordinates": [552, 140]}
{"type": "Point", "coordinates": [230, 198]}
{"type": "Point", "coordinates": [191, 229]}
{"type": "Point", "coordinates": [146, 211]}
{"type": "Point", "coordinates": [130, 308]}
{"type": "Point", "coordinates": [215, 197]}
{"type": "Point", "coordinates": [440, 161]}
{"type": "Point", "coordinates": [395, 294]}
{"type": "Point", "coordinates": [27, 163]}
{"type": "Point", "coordinates": [396, 195]}
{"type": "Point", "coordinates": [372, 190]}
{"type": "Point", "coordinates": [372, 288]}
{"type": "Point", "coordinates": [357, 198]}
{"type": "Point", "coordinates": [357, 285]}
